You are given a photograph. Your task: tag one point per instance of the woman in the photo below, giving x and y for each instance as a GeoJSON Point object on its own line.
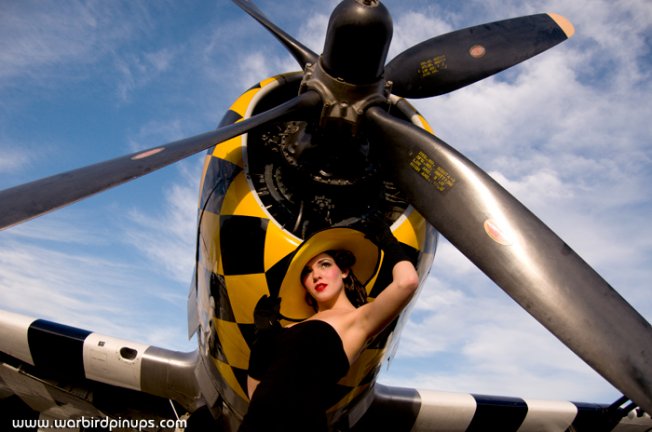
{"type": "Point", "coordinates": [293, 375]}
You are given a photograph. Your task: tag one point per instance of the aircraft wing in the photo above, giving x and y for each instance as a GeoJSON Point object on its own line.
{"type": "Point", "coordinates": [406, 409]}
{"type": "Point", "coordinates": [50, 371]}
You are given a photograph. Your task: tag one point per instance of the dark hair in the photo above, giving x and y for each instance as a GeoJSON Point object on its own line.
{"type": "Point", "coordinates": [354, 289]}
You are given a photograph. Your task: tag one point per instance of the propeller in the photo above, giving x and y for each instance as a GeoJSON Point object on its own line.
{"type": "Point", "coordinates": [521, 254]}
{"type": "Point", "coordinates": [454, 60]}
{"type": "Point", "coordinates": [495, 231]}
{"type": "Point", "coordinates": [29, 200]}
{"type": "Point", "coordinates": [300, 52]}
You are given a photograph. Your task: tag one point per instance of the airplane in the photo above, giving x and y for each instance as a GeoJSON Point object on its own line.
{"type": "Point", "coordinates": [101, 375]}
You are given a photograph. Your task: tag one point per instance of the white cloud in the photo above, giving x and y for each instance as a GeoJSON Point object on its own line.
{"type": "Point", "coordinates": [167, 237]}
{"type": "Point", "coordinates": [65, 226]}
{"type": "Point", "coordinates": [12, 159]}
{"type": "Point", "coordinates": [466, 335]}
{"type": "Point", "coordinates": [157, 132]}
{"type": "Point", "coordinates": [138, 70]}
{"type": "Point", "coordinates": [55, 278]}
{"type": "Point", "coordinates": [312, 32]}
{"type": "Point", "coordinates": [411, 28]}
{"type": "Point", "coordinates": [41, 40]}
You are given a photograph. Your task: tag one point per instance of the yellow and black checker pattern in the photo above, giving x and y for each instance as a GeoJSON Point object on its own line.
{"type": "Point", "coordinates": [243, 255]}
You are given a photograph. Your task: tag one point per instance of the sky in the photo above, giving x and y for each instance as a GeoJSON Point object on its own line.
{"type": "Point", "coordinates": [568, 133]}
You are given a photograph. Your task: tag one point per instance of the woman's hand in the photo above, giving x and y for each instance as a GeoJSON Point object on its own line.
{"type": "Point", "coordinates": [378, 231]}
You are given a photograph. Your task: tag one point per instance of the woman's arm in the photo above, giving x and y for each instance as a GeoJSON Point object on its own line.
{"type": "Point", "coordinates": [376, 315]}
{"type": "Point", "coordinates": [252, 383]}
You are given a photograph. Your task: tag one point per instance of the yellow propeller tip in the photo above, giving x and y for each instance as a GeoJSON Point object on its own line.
{"type": "Point", "coordinates": [563, 24]}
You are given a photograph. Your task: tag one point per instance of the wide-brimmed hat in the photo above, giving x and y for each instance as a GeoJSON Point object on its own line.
{"type": "Point", "coordinates": [367, 258]}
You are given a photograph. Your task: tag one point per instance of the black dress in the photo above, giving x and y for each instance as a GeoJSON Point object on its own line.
{"type": "Point", "coordinates": [298, 368]}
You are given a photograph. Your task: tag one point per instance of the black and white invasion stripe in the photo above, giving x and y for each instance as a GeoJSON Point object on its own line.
{"type": "Point", "coordinates": [64, 352]}
{"type": "Point", "coordinates": [404, 409]}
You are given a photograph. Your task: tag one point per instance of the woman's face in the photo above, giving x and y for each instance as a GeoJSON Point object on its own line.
{"type": "Point", "coordinates": [323, 279]}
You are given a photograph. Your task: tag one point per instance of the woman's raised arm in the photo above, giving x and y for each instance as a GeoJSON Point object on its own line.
{"type": "Point", "coordinates": [377, 314]}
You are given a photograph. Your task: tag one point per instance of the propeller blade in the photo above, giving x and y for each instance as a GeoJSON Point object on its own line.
{"type": "Point", "coordinates": [29, 200]}
{"type": "Point", "coordinates": [521, 254]}
{"type": "Point", "coordinates": [300, 52]}
{"type": "Point", "coordinates": [454, 60]}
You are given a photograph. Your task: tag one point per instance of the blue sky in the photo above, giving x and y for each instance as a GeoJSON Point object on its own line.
{"type": "Point", "coordinates": [568, 133]}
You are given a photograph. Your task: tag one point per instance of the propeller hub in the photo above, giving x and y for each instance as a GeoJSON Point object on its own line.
{"type": "Point", "coordinates": [343, 103]}
{"type": "Point", "coordinates": [357, 40]}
